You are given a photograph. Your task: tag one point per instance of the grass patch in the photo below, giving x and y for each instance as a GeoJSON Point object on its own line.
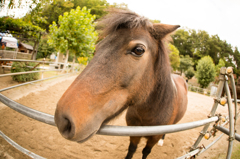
{"type": "Point", "coordinates": [236, 152]}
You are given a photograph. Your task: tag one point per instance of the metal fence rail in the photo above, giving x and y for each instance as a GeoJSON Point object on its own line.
{"type": "Point", "coordinates": [32, 113]}
{"type": "Point", "coordinates": [152, 130]}
{"type": "Point", "coordinates": [21, 73]}
{"type": "Point", "coordinates": [20, 60]}
{"type": "Point", "coordinates": [226, 131]}
{"type": "Point", "coordinates": [4, 89]}
{"type": "Point", "coordinates": [20, 148]}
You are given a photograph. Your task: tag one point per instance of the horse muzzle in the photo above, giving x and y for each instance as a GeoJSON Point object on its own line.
{"type": "Point", "coordinates": [81, 117]}
{"type": "Point", "coordinates": [74, 129]}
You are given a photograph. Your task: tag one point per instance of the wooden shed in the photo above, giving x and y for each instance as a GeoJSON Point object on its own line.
{"type": "Point", "coordinates": [25, 48]}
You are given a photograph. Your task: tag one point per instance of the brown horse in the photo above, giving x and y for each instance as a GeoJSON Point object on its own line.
{"type": "Point", "coordinates": [130, 69]}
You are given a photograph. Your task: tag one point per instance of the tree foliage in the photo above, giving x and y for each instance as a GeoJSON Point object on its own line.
{"type": "Point", "coordinates": [18, 4]}
{"type": "Point", "coordinates": [190, 73]}
{"type": "Point", "coordinates": [97, 7]}
{"type": "Point", "coordinates": [75, 33]}
{"type": "Point", "coordinates": [174, 57]}
{"type": "Point", "coordinates": [46, 14]}
{"type": "Point", "coordinates": [83, 60]}
{"type": "Point", "coordinates": [44, 49]}
{"type": "Point", "coordinates": [18, 26]}
{"type": "Point", "coordinates": [218, 66]}
{"type": "Point", "coordinates": [205, 71]}
{"type": "Point", "coordinates": [185, 62]}
{"type": "Point", "coordinates": [119, 6]}
{"type": "Point", "coordinates": [198, 44]}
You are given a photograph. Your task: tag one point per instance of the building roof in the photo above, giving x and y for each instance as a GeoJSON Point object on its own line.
{"type": "Point", "coordinates": [10, 42]}
{"type": "Point", "coordinates": [9, 39]}
{"type": "Point", "coordinates": [29, 47]}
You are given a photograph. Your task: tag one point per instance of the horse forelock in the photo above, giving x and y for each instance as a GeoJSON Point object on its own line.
{"type": "Point", "coordinates": [117, 19]}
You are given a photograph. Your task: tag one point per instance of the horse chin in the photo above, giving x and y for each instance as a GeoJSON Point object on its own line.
{"type": "Point", "coordinates": [91, 135]}
{"type": "Point", "coordinates": [103, 123]}
{"type": "Point", "coordinates": [115, 115]}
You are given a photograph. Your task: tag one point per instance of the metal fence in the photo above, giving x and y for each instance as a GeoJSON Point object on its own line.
{"type": "Point", "coordinates": [198, 89]}
{"type": "Point", "coordinates": [225, 73]}
{"type": "Point", "coordinates": [40, 69]}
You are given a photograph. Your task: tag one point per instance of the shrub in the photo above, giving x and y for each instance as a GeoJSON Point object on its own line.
{"type": "Point", "coordinates": [190, 73]}
{"type": "Point", "coordinates": [205, 71]}
{"type": "Point", "coordinates": [83, 60]}
{"type": "Point", "coordinates": [24, 67]}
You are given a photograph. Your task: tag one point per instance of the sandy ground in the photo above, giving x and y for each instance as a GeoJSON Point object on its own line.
{"type": "Point", "coordinates": [45, 140]}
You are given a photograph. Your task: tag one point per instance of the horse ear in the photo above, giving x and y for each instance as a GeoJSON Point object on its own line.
{"type": "Point", "coordinates": [162, 30]}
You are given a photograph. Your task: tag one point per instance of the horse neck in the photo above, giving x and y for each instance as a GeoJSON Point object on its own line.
{"type": "Point", "coordinates": [159, 104]}
{"type": "Point", "coordinates": [163, 93]}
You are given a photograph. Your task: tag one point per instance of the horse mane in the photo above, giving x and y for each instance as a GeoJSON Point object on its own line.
{"type": "Point", "coordinates": [163, 93]}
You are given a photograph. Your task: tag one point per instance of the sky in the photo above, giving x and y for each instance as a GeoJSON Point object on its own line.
{"type": "Point", "coordinates": [16, 12]}
{"type": "Point", "coordinates": [220, 17]}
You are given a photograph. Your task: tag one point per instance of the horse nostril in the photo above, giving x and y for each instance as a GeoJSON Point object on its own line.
{"type": "Point", "coordinates": [66, 127]}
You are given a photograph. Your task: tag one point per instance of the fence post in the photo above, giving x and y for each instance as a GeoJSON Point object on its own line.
{"type": "Point", "coordinates": [214, 107]}
{"type": "Point", "coordinates": [43, 66]}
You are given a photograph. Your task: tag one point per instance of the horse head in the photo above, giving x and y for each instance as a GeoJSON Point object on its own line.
{"type": "Point", "coordinates": [128, 62]}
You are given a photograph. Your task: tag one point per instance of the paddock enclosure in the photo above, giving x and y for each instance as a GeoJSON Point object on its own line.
{"type": "Point", "coordinates": [44, 140]}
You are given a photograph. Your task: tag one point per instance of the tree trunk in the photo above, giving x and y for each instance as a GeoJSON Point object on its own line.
{"type": "Point", "coordinates": [34, 56]}
{"type": "Point", "coordinates": [73, 62]}
{"type": "Point", "coordinates": [35, 48]}
{"type": "Point", "coordinates": [66, 60]}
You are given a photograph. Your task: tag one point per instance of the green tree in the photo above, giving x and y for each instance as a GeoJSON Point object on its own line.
{"type": "Point", "coordinates": [201, 47]}
{"type": "Point", "coordinates": [44, 49]}
{"type": "Point", "coordinates": [236, 55]}
{"type": "Point", "coordinates": [185, 63]}
{"type": "Point", "coordinates": [198, 44]}
{"type": "Point", "coordinates": [44, 15]}
{"type": "Point", "coordinates": [174, 57]}
{"type": "Point", "coordinates": [190, 73]}
{"type": "Point", "coordinates": [76, 33]}
{"type": "Point", "coordinates": [220, 64]}
{"type": "Point", "coordinates": [205, 71]}
{"type": "Point", "coordinates": [183, 41]}
{"type": "Point", "coordinates": [22, 30]}
{"type": "Point", "coordinates": [97, 7]}
{"type": "Point", "coordinates": [18, 26]}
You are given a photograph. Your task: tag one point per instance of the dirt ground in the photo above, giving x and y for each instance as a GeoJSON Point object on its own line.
{"type": "Point", "coordinates": [45, 140]}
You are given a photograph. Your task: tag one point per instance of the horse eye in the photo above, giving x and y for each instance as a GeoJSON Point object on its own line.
{"type": "Point", "coordinates": [138, 51]}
